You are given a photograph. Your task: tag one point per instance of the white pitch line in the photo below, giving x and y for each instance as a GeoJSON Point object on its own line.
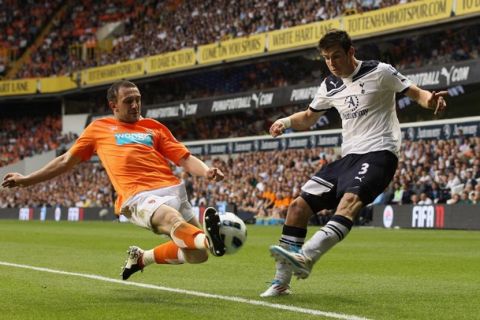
{"type": "Point", "coordinates": [193, 293]}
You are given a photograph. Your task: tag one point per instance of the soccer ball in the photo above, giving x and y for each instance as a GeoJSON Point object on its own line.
{"type": "Point", "coordinates": [233, 232]}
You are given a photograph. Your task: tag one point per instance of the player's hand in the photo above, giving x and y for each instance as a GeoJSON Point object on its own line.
{"type": "Point", "coordinates": [437, 101]}
{"type": "Point", "coordinates": [277, 128]}
{"type": "Point", "coordinates": [13, 179]}
{"type": "Point", "coordinates": [215, 174]}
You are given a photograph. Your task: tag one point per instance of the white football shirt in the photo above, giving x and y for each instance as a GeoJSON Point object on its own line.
{"type": "Point", "coordinates": [366, 103]}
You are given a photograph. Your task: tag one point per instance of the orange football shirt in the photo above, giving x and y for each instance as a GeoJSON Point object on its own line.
{"type": "Point", "coordinates": [133, 154]}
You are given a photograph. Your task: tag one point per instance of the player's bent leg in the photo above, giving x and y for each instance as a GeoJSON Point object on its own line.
{"type": "Point", "coordinates": [333, 232]}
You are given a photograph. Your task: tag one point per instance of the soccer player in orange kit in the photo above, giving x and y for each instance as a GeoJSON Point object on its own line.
{"type": "Point", "coordinates": [134, 151]}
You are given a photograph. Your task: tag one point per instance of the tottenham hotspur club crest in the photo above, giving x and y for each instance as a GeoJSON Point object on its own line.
{"type": "Point", "coordinates": [362, 84]}
{"type": "Point", "coordinates": [352, 103]}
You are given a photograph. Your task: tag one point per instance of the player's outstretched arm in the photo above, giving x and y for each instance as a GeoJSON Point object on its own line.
{"type": "Point", "coordinates": [54, 168]}
{"type": "Point", "coordinates": [302, 120]}
{"type": "Point", "coordinates": [429, 100]}
{"type": "Point", "coordinates": [197, 167]}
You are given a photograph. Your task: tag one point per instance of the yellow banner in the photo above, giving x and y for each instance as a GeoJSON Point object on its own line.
{"type": "Point", "coordinates": [467, 6]}
{"type": "Point", "coordinates": [232, 49]}
{"type": "Point", "coordinates": [18, 87]}
{"type": "Point", "coordinates": [397, 16]}
{"type": "Point", "coordinates": [134, 68]}
{"type": "Point", "coordinates": [56, 84]}
{"type": "Point", "coordinates": [308, 34]}
{"type": "Point", "coordinates": [171, 61]}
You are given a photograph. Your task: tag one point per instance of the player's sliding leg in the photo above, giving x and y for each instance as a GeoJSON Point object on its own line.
{"type": "Point", "coordinates": [189, 243]}
{"type": "Point", "coordinates": [188, 236]}
{"type": "Point", "coordinates": [137, 259]}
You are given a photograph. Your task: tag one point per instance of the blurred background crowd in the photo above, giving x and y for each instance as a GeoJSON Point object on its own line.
{"type": "Point", "coordinates": [264, 183]}
{"type": "Point", "coordinates": [60, 37]}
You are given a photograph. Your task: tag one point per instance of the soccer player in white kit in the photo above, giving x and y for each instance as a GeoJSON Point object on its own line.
{"type": "Point", "coordinates": [363, 92]}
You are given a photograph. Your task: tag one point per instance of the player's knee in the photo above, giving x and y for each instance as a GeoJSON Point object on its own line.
{"type": "Point", "coordinates": [298, 210]}
{"type": "Point", "coordinates": [164, 219]}
{"type": "Point", "coordinates": [195, 256]}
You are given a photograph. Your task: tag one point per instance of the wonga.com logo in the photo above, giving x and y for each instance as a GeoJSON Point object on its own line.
{"type": "Point", "coordinates": [134, 138]}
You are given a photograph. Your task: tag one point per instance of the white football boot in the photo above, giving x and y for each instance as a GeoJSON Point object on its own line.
{"type": "Point", "coordinates": [277, 288]}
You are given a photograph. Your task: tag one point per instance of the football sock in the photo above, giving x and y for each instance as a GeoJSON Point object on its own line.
{"type": "Point", "coordinates": [166, 253]}
{"type": "Point", "coordinates": [188, 236]}
{"type": "Point", "coordinates": [333, 232]}
{"type": "Point", "coordinates": [292, 238]}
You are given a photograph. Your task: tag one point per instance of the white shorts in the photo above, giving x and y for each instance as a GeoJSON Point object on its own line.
{"type": "Point", "coordinates": [140, 207]}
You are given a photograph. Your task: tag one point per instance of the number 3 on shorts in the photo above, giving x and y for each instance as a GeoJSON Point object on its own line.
{"type": "Point", "coordinates": [364, 168]}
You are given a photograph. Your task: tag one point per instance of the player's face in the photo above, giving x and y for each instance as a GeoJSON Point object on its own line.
{"type": "Point", "coordinates": [340, 63]}
{"type": "Point", "coordinates": [128, 106]}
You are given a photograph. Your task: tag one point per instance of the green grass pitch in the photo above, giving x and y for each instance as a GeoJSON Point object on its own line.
{"type": "Point", "coordinates": [373, 273]}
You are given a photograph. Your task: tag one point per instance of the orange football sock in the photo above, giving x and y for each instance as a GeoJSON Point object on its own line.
{"type": "Point", "coordinates": [188, 236]}
{"type": "Point", "coordinates": [168, 253]}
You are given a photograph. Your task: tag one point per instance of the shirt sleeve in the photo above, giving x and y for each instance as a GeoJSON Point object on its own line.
{"type": "Point", "coordinates": [84, 147]}
{"type": "Point", "coordinates": [169, 147]}
{"type": "Point", "coordinates": [320, 101]}
{"type": "Point", "coordinates": [393, 79]}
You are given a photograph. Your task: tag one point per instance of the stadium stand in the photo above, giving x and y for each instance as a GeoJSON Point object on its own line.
{"type": "Point", "coordinates": [19, 29]}
{"type": "Point", "coordinates": [150, 28]}
{"type": "Point", "coordinates": [27, 136]}
{"type": "Point", "coordinates": [301, 69]}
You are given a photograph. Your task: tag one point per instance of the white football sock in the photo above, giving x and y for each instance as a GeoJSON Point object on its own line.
{"type": "Point", "coordinates": [323, 240]}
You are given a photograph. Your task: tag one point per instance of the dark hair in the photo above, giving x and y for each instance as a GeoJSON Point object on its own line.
{"type": "Point", "coordinates": [335, 37]}
{"type": "Point", "coordinates": [112, 92]}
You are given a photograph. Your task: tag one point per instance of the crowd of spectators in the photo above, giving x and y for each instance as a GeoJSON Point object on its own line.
{"type": "Point", "coordinates": [152, 27]}
{"type": "Point", "coordinates": [445, 171]}
{"type": "Point", "coordinates": [409, 52]}
{"type": "Point", "coordinates": [432, 49]}
{"type": "Point", "coordinates": [19, 30]}
{"type": "Point", "coordinates": [437, 172]}
{"type": "Point", "coordinates": [263, 184]}
{"type": "Point", "coordinates": [87, 185]}
{"type": "Point", "coordinates": [27, 136]}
